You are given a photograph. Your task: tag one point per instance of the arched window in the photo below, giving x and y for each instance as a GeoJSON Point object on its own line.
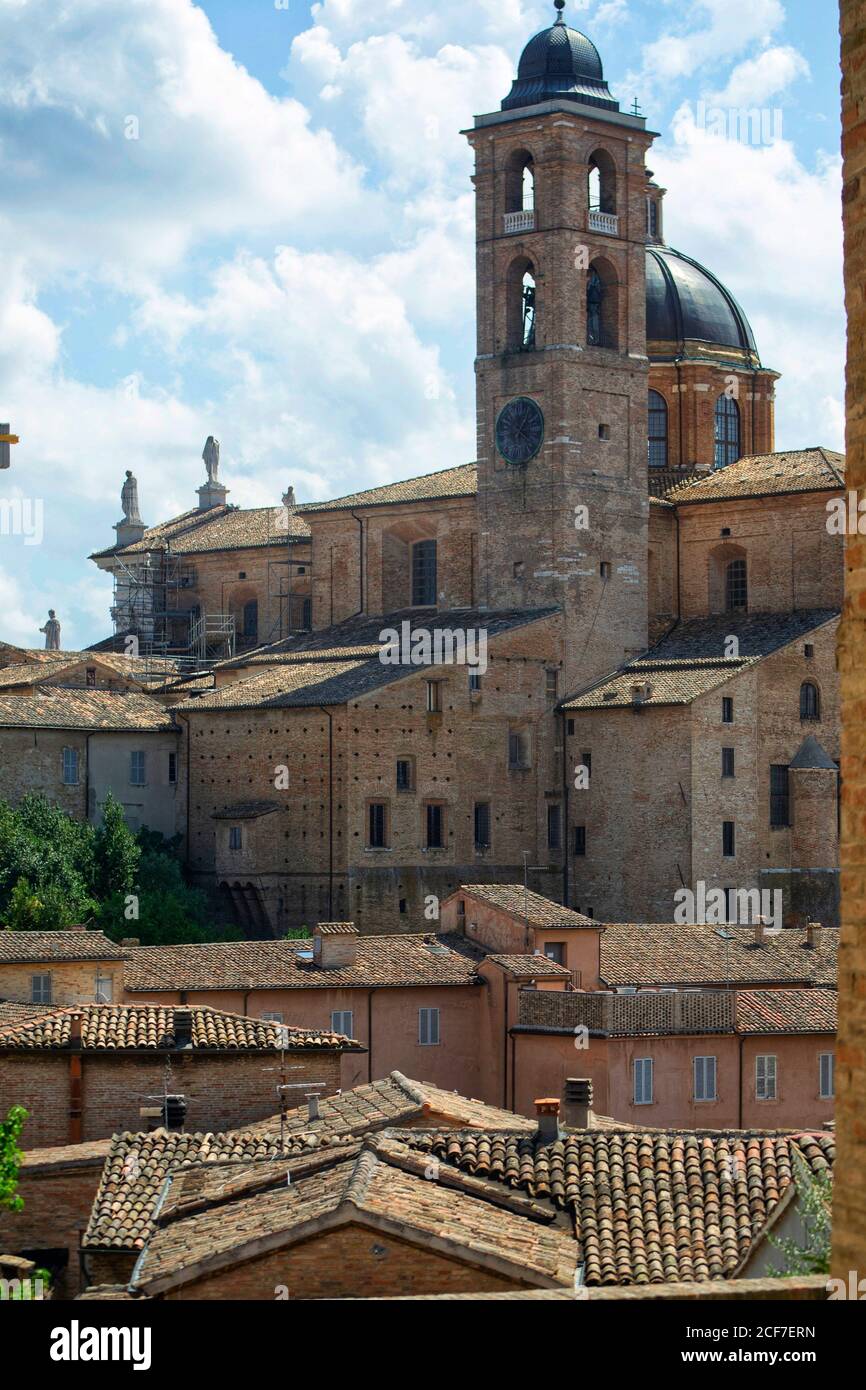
{"type": "Point", "coordinates": [602, 306]}
{"type": "Point", "coordinates": [736, 587]}
{"type": "Point", "coordinates": [602, 182]}
{"type": "Point", "coordinates": [810, 701]}
{"type": "Point", "coordinates": [424, 574]}
{"type": "Point", "coordinates": [522, 306]}
{"type": "Point", "coordinates": [520, 182]}
{"type": "Point", "coordinates": [658, 430]}
{"type": "Point", "coordinates": [727, 431]}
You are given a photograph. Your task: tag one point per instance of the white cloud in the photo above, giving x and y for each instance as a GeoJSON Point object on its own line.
{"type": "Point", "coordinates": [758, 79]}
{"type": "Point", "coordinates": [716, 31]}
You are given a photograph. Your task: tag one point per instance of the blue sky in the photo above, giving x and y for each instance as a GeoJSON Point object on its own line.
{"type": "Point", "coordinates": [283, 255]}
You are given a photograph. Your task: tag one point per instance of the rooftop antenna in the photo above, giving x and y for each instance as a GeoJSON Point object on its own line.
{"type": "Point", "coordinates": [310, 1088]}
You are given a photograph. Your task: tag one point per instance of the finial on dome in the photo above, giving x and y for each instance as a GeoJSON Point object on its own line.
{"type": "Point", "coordinates": [560, 5]}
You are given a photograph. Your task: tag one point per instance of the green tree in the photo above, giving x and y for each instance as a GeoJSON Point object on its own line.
{"type": "Point", "coordinates": [814, 1197]}
{"type": "Point", "coordinates": [116, 853]}
{"type": "Point", "coordinates": [10, 1158]}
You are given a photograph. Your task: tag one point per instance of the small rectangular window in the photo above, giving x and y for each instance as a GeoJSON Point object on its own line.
{"type": "Point", "coordinates": [434, 697]}
{"type": "Point", "coordinates": [552, 685]}
{"type": "Point", "coordinates": [424, 574]}
{"type": "Point", "coordinates": [518, 750]}
{"type": "Point", "coordinates": [604, 570]}
{"type": "Point", "coordinates": [90, 676]}
{"type": "Point", "coordinates": [586, 761]}
{"type": "Point", "coordinates": [780, 797]}
{"type": "Point", "coordinates": [827, 1075]}
{"type": "Point", "coordinates": [104, 990]}
{"type": "Point", "coordinates": [727, 762]}
{"type": "Point", "coordinates": [474, 682]}
{"type": "Point", "coordinates": [482, 825]}
{"type": "Point", "coordinates": [555, 951]}
{"type": "Point", "coordinates": [70, 767]}
{"type": "Point", "coordinates": [404, 774]}
{"type": "Point", "coordinates": [705, 1078]}
{"type": "Point", "coordinates": [580, 839]}
{"type": "Point", "coordinates": [136, 769]}
{"type": "Point", "coordinates": [40, 989]}
{"type": "Point", "coordinates": [554, 827]}
{"type": "Point", "coordinates": [643, 1080]}
{"type": "Point", "coordinates": [172, 768]}
{"type": "Point", "coordinates": [378, 826]}
{"type": "Point", "coordinates": [728, 839]}
{"type": "Point", "coordinates": [569, 727]}
{"type": "Point", "coordinates": [342, 1021]}
{"type": "Point", "coordinates": [272, 1017]}
{"type": "Point", "coordinates": [428, 1027]}
{"type": "Point", "coordinates": [727, 710]}
{"type": "Point", "coordinates": [435, 826]}
{"type": "Point", "coordinates": [765, 1078]}
{"type": "Point", "coordinates": [236, 838]}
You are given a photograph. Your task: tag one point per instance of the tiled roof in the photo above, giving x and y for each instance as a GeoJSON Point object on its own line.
{"type": "Point", "coordinates": [247, 965]}
{"type": "Point", "coordinates": [46, 946]}
{"type": "Point", "coordinates": [529, 907]}
{"type": "Point", "coordinates": [137, 1164]}
{"type": "Point", "coordinates": [343, 662]}
{"type": "Point", "coordinates": [758, 634]}
{"type": "Point", "coordinates": [220, 528]}
{"type": "Point", "coordinates": [660, 481]}
{"type": "Point", "coordinates": [114, 1027]}
{"type": "Point", "coordinates": [29, 672]}
{"type": "Point", "coordinates": [530, 967]}
{"type": "Point", "coordinates": [221, 1214]}
{"type": "Point", "coordinates": [647, 1207]}
{"type": "Point", "coordinates": [395, 1100]}
{"type": "Point", "coordinates": [430, 487]}
{"type": "Point", "coordinates": [690, 659]}
{"type": "Point", "coordinates": [671, 954]}
{"type": "Point", "coordinates": [98, 710]}
{"type": "Point", "coordinates": [787, 1011]}
{"type": "Point", "coordinates": [767, 475]}
{"type": "Point", "coordinates": [668, 682]}
{"type": "Point", "coordinates": [12, 1013]}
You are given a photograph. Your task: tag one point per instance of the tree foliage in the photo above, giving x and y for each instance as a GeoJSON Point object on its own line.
{"type": "Point", "coordinates": [10, 1158]}
{"type": "Point", "coordinates": [58, 872]}
{"type": "Point", "coordinates": [814, 1198]}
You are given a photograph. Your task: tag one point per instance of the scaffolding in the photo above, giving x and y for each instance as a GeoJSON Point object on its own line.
{"type": "Point", "coordinates": [151, 604]}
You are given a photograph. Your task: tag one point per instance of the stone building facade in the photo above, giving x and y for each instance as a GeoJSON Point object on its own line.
{"type": "Point", "coordinates": [626, 520]}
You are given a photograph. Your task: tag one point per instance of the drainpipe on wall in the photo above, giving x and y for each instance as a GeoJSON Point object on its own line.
{"type": "Point", "coordinates": [505, 1043]}
{"type": "Point", "coordinates": [75, 1080]}
{"type": "Point", "coordinates": [565, 802]}
{"type": "Point", "coordinates": [361, 563]}
{"type": "Point", "coordinates": [87, 778]}
{"type": "Point", "coordinates": [330, 718]}
{"type": "Point", "coordinates": [370, 993]}
{"type": "Point", "coordinates": [740, 1086]}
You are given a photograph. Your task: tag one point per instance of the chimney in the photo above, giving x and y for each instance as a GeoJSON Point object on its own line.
{"type": "Point", "coordinates": [312, 1106]}
{"type": "Point", "coordinates": [75, 1031]}
{"type": "Point", "coordinates": [813, 931]}
{"type": "Point", "coordinates": [760, 923]}
{"type": "Point", "coordinates": [335, 945]}
{"type": "Point", "coordinates": [182, 1028]}
{"type": "Point", "coordinates": [577, 1108]}
{"type": "Point", "coordinates": [547, 1111]}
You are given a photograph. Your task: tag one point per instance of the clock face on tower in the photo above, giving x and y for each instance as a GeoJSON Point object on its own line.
{"type": "Point", "coordinates": [520, 430]}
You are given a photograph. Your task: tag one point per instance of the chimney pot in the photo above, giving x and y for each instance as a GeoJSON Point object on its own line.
{"type": "Point", "coordinates": [312, 1106]}
{"type": "Point", "coordinates": [760, 923]}
{"type": "Point", "coordinates": [813, 931]}
{"type": "Point", "coordinates": [547, 1111]}
{"type": "Point", "coordinates": [577, 1108]}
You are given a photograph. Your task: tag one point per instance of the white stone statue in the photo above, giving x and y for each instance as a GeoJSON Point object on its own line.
{"type": "Point", "coordinates": [52, 632]}
{"type": "Point", "coordinates": [211, 458]}
{"type": "Point", "coordinates": [129, 500]}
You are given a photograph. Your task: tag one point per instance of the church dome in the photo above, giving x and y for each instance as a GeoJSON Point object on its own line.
{"type": "Point", "coordinates": [560, 62]}
{"type": "Point", "coordinates": [689, 313]}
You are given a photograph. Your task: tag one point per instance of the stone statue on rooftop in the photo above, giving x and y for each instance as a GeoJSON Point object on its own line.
{"type": "Point", "coordinates": [211, 458]}
{"type": "Point", "coordinates": [52, 632]}
{"type": "Point", "coordinates": [129, 500]}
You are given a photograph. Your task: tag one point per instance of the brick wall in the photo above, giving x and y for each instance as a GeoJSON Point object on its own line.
{"type": "Point", "coordinates": [849, 1202]}
{"type": "Point", "coordinates": [58, 1188]}
{"type": "Point", "coordinates": [72, 982]}
{"type": "Point", "coordinates": [342, 1263]}
{"type": "Point", "coordinates": [223, 1091]}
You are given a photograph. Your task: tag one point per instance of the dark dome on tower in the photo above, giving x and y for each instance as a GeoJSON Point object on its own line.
{"type": "Point", "coordinates": [560, 62]}
{"type": "Point", "coordinates": [689, 313]}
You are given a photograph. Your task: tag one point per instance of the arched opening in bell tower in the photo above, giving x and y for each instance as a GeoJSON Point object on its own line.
{"type": "Point", "coordinates": [520, 182]}
{"type": "Point", "coordinates": [602, 182]}
{"type": "Point", "coordinates": [602, 305]}
{"type": "Point", "coordinates": [522, 309]}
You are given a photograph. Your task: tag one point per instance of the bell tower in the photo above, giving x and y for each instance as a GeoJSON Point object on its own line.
{"type": "Point", "coordinates": [562, 368]}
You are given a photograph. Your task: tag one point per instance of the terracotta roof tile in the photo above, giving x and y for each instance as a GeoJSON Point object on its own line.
{"type": "Point", "coordinates": [423, 959]}
{"type": "Point", "coordinates": [45, 946]}
{"type": "Point", "coordinates": [532, 907]}
{"type": "Point", "coordinates": [530, 967]}
{"type": "Point", "coordinates": [221, 528]}
{"type": "Point", "coordinates": [766, 475]}
{"type": "Point", "coordinates": [787, 1011]}
{"type": "Point", "coordinates": [56, 708]}
{"type": "Point", "coordinates": [670, 954]}
{"type": "Point", "coordinates": [114, 1027]}
{"type": "Point", "coordinates": [461, 481]}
